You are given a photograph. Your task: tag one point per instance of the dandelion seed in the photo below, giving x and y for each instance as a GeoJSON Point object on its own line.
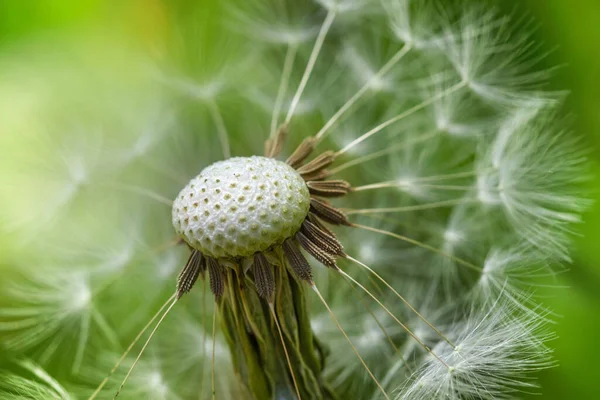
{"type": "Point", "coordinates": [488, 341]}
{"type": "Point", "coordinates": [39, 385]}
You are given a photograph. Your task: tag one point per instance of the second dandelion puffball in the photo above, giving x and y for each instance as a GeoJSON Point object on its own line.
{"type": "Point", "coordinates": [240, 206]}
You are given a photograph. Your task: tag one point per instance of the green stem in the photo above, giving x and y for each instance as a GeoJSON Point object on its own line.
{"type": "Point", "coordinates": [257, 352]}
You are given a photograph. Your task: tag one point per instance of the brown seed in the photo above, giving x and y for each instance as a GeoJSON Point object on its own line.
{"type": "Point", "coordinates": [325, 240]}
{"type": "Point", "coordinates": [217, 284]}
{"type": "Point", "coordinates": [333, 188]}
{"type": "Point", "coordinates": [302, 151]}
{"type": "Point", "coordinates": [328, 213]}
{"type": "Point", "coordinates": [188, 276]}
{"type": "Point", "coordinates": [318, 163]}
{"type": "Point", "coordinates": [263, 277]}
{"type": "Point", "coordinates": [315, 176]}
{"type": "Point", "coordinates": [297, 261]}
{"type": "Point", "coordinates": [274, 146]}
{"type": "Point", "coordinates": [314, 250]}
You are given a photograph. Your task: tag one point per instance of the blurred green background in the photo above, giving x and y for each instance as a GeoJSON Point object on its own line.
{"type": "Point", "coordinates": [571, 28]}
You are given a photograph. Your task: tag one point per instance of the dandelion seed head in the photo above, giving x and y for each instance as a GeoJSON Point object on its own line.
{"type": "Point", "coordinates": [490, 349]}
{"type": "Point", "coordinates": [241, 206]}
{"type": "Point", "coordinates": [275, 23]}
{"type": "Point", "coordinates": [492, 59]}
{"type": "Point", "coordinates": [305, 106]}
{"type": "Point", "coordinates": [520, 173]}
{"type": "Point", "coordinates": [411, 23]}
{"type": "Point", "coordinates": [146, 133]}
{"type": "Point", "coordinates": [38, 384]}
{"type": "Point", "coordinates": [81, 295]}
{"type": "Point", "coordinates": [120, 259]}
{"type": "Point", "coordinates": [281, 33]}
{"type": "Point", "coordinates": [156, 383]}
{"type": "Point", "coordinates": [486, 189]}
{"type": "Point", "coordinates": [167, 264]}
{"type": "Point", "coordinates": [319, 324]}
{"type": "Point", "coordinates": [410, 185]}
{"type": "Point", "coordinates": [370, 337]}
{"type": "Point", "coordinates": [365, 73]}
{"type": "Point", "coordinates": [205, 91]}
{"type": "Point", "coordinates": [367, 252]}
{"type": "Point", "coordinates": [452, 236]}
{"type": "Point", "coordinates": [512, 271]}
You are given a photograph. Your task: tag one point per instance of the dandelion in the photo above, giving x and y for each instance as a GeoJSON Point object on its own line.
{"type": "Point", "coordinates": [359, 196]}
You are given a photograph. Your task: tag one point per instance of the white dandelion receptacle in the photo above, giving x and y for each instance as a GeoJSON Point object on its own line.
{"type": "Point", "coordinates": [240, 206]}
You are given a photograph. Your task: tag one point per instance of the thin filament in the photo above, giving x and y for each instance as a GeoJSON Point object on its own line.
{"type": "Point", "coordinates": [401, 298]}
{"type": "Point", "coordinates": [221, 128]}
{"type": "Point", "coordinates": [465, 174]}
{"type": "Point", "coordinates": [400, 184]}
{"type": "Point", "coordinates": [204, 315]}
{"type": "Point", "coordinates": [384, 70]}
{"type": "Point", "coordinates": [383, 152]}
{"type": "Point", "coordinates": [144, 329]}
{"type": "Point", "coordinates": [311, 63]}
{"type": "Point", "coordinates": [145, 192]}
{"type": "Point", "coordinates": [381, 327]}
{"type": "Point", "coordinates": [425, 206]}
{"type": "Point", "coordinates": [314, 287]}
{"type": "Point", "coordinates": [287, 357]}
{"type": "Point", "coordinates": [420, 244]}
{"type": "Point", "coordinates": [427, 348]}
{"type": "Point", "coordinates": [283, 85]}
{"type": "Point", "coordinates": [212, 365]}
{"type": "Point", "coordinates": [405, 114]}
{"type": "Point", "coordinates": [146, 344]}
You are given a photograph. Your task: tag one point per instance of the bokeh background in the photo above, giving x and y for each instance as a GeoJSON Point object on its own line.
{"type": "Point", "coordinates": [571, 29]}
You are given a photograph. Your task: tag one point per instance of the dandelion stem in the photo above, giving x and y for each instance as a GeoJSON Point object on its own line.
{"type": "Point", "coordinates": [311, 63]}
{"type": "Point", "coordinates": [204, 315]}
{"type": "Point", "coordinates": [221, 128]}
{"type": "Point", "coordinates": [139, 335]}
{"type": "Point", "coordinates": [427, 348]}
{"type": "Point", "coordinates": [335, 320]}
{"type": "Point", "coordinates": [212, 363]}
{"type": "Point", "coordinates": [403, 115]}
{"type": "Point", "coordinates": [420, 244]}
{"type": "Point", "coordinates": [426, 206]}
{"type": "Point", "coordinates": [290, 56]}
{"type": "Point", "coordinates": [401, 298]}
{"type": "Point", "coordinates": [287, 357]}
{"type": "Point", "coordinates": [146, 344]}
{"type": "Point", "coordinates": [384, 70]}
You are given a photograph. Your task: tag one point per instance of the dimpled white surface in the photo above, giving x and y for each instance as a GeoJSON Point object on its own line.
{"type": "Point", "coordinates": [240, 206]}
